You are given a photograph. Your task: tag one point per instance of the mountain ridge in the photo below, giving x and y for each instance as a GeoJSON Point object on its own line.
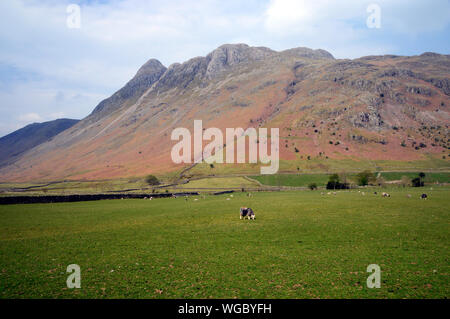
{"type": "Point", "coordinates": [371, 108]}
{"type": "Point", "coordinates": [18, 142]}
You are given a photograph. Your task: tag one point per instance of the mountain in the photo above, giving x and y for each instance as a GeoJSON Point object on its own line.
{"type": "Point", "coordinates": [373, 112]}
{"type": "Point", "coordinates": [15, 144]}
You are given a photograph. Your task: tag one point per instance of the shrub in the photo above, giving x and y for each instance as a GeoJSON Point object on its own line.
{"type": "Point", "coordinates": [337, 185]}
{"type": "Point", "coordinates": [364, 178]}
{"type": "Point", "coordinates": [334, 183]}
{"type": "Point", "coordinates": [405, 181]}
{"type": "Point", "coordinates": [152, 180]}
{"type": "Point", "coordinates": [381, 181]}
{"type": "Point", "coordinates": [417, 182]}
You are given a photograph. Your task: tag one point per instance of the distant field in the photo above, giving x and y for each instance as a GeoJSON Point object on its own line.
{"type": "Point", "coordinates": [205, 184]}
{"type": "Point", "coordinates": [443, 177]}
{"type": "Point", "coordinates": [303, 180]}
{"type": "Point", "coordinates": [74, 187]}
{"type": "Point", "coordinates": [300, 180]}
{"type": "Point", "coordinates": [219, 183]}
{"type": "Point", "coordinates": [302, 245]}
{"type": "Point", "coordinates": [324, 166]}
{"type": "Point", "coordinates": [126, 186]}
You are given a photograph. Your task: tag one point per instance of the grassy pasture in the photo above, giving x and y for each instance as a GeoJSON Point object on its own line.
{"type": "Point", "coordinates": [321, 165]}
{"type": "Point", "coordinates": [302, 245]}
{"type": "Point", "coordinates": [303, 180]}
{"type": "Point", "coordinates": [218, 183]}
{"type": "Point", "coordinates": [206, 184]}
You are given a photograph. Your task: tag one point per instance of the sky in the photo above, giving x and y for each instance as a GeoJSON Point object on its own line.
{"type": "Point", "coordinates": [56, 63]}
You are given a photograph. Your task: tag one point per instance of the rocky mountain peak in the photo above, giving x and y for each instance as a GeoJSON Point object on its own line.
{"type": "Point", "coordinates": [152, 66]}
{"type": "Point", "coordinates": [146, 76]}
{"type": "Point", "coordinates": [309, 53]}
{"type": "Point", "coordinates": [229, 55]}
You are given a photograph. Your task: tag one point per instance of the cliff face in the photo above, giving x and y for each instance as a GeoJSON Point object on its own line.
{"type": "Point", "coordinates": [372, 108]}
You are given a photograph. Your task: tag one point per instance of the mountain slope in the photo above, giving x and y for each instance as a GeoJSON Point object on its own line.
{"type": "Point", "coordinates": [24, 139]}
{"type": "Point", "coordinates": [377, 108]}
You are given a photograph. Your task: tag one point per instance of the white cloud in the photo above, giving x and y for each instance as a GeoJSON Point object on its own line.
{"type": "Point", "coordinates": [30, 117]}
{"type": "Point", "coordinates": [400, 16]}
{"type": "Point", "coordinates": [340, 26]}
{"type": "Point", "coordinates": [56, 115]}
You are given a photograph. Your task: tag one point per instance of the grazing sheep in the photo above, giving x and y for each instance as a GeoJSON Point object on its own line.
{"type": "Point", "coordinates": [424, 196]}
{"type": "Point", "coordinates": [246, 212]}
{"type": "Point", "coordinates": [228, 199]}
{"type": "Point", "coordinates": [409, 195]}
{"type": "Point", "coordinates": [375, 193]}
{"type": "Point", "coordinates": [386, 195]}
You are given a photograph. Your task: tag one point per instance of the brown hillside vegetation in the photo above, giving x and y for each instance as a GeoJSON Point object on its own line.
{"type": "Point", "coordinates": [374, 108]}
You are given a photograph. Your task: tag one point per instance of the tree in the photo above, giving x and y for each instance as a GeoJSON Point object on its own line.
{"type": "Point", "coordinates": [312, 186]}
{"type": "Point", "coordinates": [334, 178]}
{"type": "Point", "coordinates": [405, 181]}
{"type": "Point", "coordinates": [417, 182]}
{"type": "Point", "coordinates": [152, 180]}
{"type": "Point", "coordinates": [364, 178]}
{"type": "Point", "coordinates": [381, 181]}
{"type": "Point", "coordinates": [334, 183]}
{"type": "Point", "coordinates": [343, 177]}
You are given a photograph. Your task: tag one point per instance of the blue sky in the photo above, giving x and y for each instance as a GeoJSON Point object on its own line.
{"type": "Point", "coordinates": [48, 70]}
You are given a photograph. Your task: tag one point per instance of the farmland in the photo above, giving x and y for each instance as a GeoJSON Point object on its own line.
{"type": "Point", "coordinates": [302, 180]}
{"type": "Point", "coordinates": [302, 245]}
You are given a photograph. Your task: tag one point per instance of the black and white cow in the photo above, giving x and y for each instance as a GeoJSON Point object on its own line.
{"type": "Point", "coordinates": [424, 196]}
{"type": "Point", "coordinates": [247, 213]}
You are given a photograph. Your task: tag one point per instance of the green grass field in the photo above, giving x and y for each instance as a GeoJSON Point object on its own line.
{"type": "Point", "coordinates": [218, 183]}
{"type": "Point", "coordinates": [302, 245]}
{"type": "Point", "coordinates": [303, 180]}
{"type": "Point", "coordinates": [320, 165]}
